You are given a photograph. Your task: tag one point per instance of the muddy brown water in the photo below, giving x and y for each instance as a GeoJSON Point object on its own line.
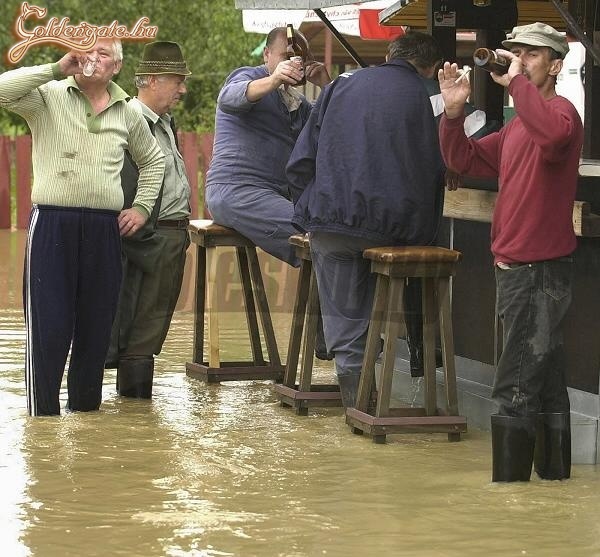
{"type": "Point", "coordinates": [222, 470]}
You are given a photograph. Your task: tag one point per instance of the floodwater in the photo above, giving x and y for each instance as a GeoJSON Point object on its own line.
{"type": "Point", "coordinates": [223, 470]}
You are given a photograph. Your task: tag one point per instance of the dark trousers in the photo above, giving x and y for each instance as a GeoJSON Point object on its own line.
{"type": "Point", "coordinates": [70, 289]}
{"type": "Point", "coordinates": [148, 299]}
{"type": "Point", "coordinates": [346, 289]}
{"type": "Point", "coordinates": [532, 300]}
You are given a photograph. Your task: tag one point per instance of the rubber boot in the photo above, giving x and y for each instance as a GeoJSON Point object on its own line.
{"type": "Point", "coordinates": [513, 441]}
{"type": "Point", "coordinates": [414, 325]}
{"type": "Point", "coordinates": [134, 377]}
{"type": "Point", "coordinates": [320, 347]}
{"type": "Point", "coordinates": [552, 460]}
{"type": "Point", "coordinates": [348, 389]}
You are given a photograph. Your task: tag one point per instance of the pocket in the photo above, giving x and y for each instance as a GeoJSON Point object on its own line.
{"type": "Point", "coordinates": [557, 279]}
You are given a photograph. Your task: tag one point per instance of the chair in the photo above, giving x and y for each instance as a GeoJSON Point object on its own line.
{"type": "Point", "coordinates": [304, 394]}
{"type": "Point", "coordinates": [208, 237]}
{"type": "Point", "coordinates": [392, 265]}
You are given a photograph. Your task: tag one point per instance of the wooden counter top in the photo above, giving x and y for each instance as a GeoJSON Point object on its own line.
{"type": "Point", "coordinates": [589, 167]}
{"type": "Point", "coordinates": [478, 205]}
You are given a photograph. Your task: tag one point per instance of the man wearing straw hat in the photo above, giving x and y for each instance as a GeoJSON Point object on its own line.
{"type": "Point", "coordinates": [154, 258]}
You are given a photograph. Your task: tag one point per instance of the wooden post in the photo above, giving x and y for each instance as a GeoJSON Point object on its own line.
{"type": "Point", "coordinates": [4, 182]}
{"type": "Point", "coordinates": [328, 50]}
{"type": "Point", "coordinates": [23, 161]}
{"type": "Point", "coordinates": [206, 149]}
{"type": "Point", "coordinates": [189, 151]}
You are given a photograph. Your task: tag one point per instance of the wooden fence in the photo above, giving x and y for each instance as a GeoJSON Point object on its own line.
{"type": "Point", "coordinates": [16, 174]}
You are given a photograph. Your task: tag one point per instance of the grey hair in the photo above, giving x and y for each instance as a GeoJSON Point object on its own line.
{"type": "Point", "coordinates": [141, 81]}
{"type": "Point", "coordinates": [117, 48]}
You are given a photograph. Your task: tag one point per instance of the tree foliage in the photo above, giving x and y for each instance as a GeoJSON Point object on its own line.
{"type": "Point", "coordinates": [209, 31]}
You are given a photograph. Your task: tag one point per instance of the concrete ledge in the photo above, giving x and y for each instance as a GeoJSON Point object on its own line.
{"type": "Point", "coordinates": [474, 397]}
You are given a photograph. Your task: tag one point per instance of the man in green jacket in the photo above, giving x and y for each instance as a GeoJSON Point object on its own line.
{"type": "Point", "coordinates": [154, 258]}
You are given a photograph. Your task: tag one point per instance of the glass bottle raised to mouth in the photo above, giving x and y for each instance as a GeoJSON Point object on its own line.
{"type": "Point", "coordinates": [89, 66]}
{"type": "Point", "coordinates": [294, 51]}
{"type": "Point", "coordinates": [488, 60]}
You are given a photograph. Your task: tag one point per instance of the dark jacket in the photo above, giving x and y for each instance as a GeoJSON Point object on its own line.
{"type": "Point", "coordinates": [144, 246]}
{"type": "Point", "coordinates": [368, 162]}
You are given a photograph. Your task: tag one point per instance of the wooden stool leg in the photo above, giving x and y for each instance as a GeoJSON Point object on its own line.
{"type": "Point", "coordinates": [250, 307]}
{"type": "Point", "coordinates": [213, 310]}
{"type": "Point", "coordinates": [429, 326]}
{"type": "Point", "coordinates": [263, 306]}
{"type": "Point", "coordinates": [394, 321]}
{"type": "Point", "coordinates": [367, 374]}
{"type": "Point", "coordinates": [312, 319]}
{"type": "Point", "coordinates": [293, 354]}
{"type": "Point", "coordinates": [199, 305]}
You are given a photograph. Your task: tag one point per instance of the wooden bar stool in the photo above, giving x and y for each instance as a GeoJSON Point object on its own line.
{"type": "Point", "coordinates": [209, 236]}
{"type": "Point", "coordinates": [434, 266]}
{"type": "Point", "coordinates": [304, 394]}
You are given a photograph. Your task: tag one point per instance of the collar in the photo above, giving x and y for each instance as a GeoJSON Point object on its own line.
{"type": "Point", "coordinates": [400, 62]}
{"type": "Point", "coordinates": [116, 93]}
{"type": "Point", "coordinates": [147, 112]}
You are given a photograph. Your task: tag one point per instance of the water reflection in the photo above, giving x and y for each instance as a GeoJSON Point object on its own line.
{"type": "Point", "coordinates": [223, 470]}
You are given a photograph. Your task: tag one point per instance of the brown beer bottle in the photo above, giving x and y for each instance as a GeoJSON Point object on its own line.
{"type": "Point", "coordinates": [488, 60]}
{"type": "Point", "coordinates": [294, 51]}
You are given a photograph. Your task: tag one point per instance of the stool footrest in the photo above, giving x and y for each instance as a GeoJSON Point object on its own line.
{"type": "Point", "coordinates": [234, 371]}
{"type": "Point", "coordinates": [374, 425]}
{"type": "Point", "coordinates": [319, 395]}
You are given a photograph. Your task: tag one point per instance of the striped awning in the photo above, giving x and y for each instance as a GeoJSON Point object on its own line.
{"type": "Point", "coordinates": [413, 13]}
{"type": "Point", "coordinates": [292, 4]}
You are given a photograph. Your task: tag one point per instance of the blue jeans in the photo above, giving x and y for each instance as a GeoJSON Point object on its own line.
{"type": "Point", "coordinates": [532, 300]}
{"type": "Point", "coordinates": [261, 214]}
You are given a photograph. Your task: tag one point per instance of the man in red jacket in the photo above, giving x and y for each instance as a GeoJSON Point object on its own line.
{"type": "Point", "coordinates": [535, 158]}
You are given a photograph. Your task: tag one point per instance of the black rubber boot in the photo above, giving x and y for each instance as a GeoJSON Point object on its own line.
{"type": "Point", "coordinates": [320, 347]}
{"type": "Point", "coordinates": [552, 460]}
{"type": "Point", "coordinates": [414, 325]}
{"type": "Point", "coordinates": [513, 440]}
{"type": "Point", "coordinates": [348, 389]}
{"type": "Point", "coordinates": [134, 377]}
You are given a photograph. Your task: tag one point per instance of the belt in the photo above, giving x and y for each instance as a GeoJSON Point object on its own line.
{"type": "Point", "coordinates": [178, 224]}
{"type": "Point", "coordinates": [506, 266]}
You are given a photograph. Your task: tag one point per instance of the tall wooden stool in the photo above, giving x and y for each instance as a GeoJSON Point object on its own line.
{"type": "Point", "coordinates": [304, 394]}
{"type": "Point", "coordinates": [208, 237]}
{"type": "Point", "coordinates": [434, 266]}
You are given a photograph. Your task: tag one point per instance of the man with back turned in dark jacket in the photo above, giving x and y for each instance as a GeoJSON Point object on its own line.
{"type": "Point", "coordinates": [366, 171]}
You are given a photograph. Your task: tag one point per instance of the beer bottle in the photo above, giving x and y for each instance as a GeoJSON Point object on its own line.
{"type": "Point", "coordinates": [489, 61]}
{"type": "Point", "coordinates": [294, 51]}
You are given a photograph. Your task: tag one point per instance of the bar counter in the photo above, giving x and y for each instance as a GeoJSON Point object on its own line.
{"type": "Point", "coordinates": [477, 332]}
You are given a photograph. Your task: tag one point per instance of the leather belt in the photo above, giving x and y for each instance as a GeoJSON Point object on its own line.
{"type": "Point", "coordinates": [181, 224]}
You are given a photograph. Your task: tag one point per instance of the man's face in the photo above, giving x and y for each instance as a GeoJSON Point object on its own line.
{"type": "Point", "coordinates": [538, 65]}
{"type": "Point", "coordinates": [167, 91]}
{"type": "Point", "coordinates": [277, 52]}
{"type": "Point", "coordinates": [106, 66]}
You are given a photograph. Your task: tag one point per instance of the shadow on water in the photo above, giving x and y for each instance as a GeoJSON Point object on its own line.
{"type": "Point", "coordinates": [223, 470]}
